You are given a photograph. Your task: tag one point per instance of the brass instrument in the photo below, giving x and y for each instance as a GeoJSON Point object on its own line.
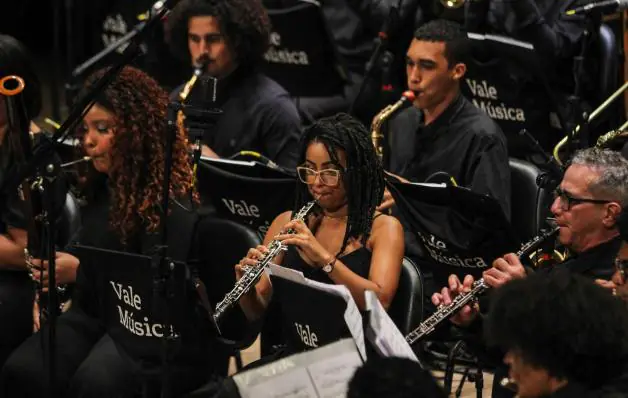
{"type": "Point", "coordinates": [609, 139]}
{"type": "Point", "coordinates": [592, 116]}
{"type": "Point", "coordinates": [377, 135]}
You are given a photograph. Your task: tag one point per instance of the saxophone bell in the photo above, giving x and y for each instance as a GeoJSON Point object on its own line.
{"type": "Point", "coordinates": [377, 135]}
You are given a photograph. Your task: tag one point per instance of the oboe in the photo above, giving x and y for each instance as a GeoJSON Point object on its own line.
{"type": "Point", "coordinates": [253, 273]}
{"type": "Point", "coordinates": [444, 312]}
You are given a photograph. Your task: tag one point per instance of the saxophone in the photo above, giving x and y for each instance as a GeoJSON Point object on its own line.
{"type": "Point", "coordinates": [444, 312]}
{"type": "Point", "coordinates": [187, 88]}
{"type": "Point", "coordinates": [376, 125]}
{"type": "Point", "coordinates": [253, 273]}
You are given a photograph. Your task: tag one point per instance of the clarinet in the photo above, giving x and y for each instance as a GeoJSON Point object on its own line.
{"type": "Point", "coordinates": [444, 312]}
{"type": "Point", "coordinates": [253, 273]}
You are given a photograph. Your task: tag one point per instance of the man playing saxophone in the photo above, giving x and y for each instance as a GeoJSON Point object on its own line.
{"type": "Point", "coordinates": [443, 131]}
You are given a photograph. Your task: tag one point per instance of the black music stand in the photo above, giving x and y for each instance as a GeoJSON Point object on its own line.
{"type": "Point", "coordinates": [136, 314]}
{"type": "Point", "coordinates": [248, 193]}
{"type": "Point", "coordinates": [302, 56]}
{"type": "Point", "coordinates": [516, 101]}
{"type": "Point", "coordinates": [461, 232]}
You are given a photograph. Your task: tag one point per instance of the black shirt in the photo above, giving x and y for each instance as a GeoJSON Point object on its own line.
{"type": "Point", "coordinates": [463, 142]}
{"type": "Point", "coordinates": [258, 115]}
{"type": "Point", "coordinates": [595, 263]}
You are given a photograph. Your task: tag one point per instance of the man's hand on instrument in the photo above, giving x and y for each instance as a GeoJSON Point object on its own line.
{"type": "Point", "coordinates": [208, 152]}
{"type": "Point", "coordinates": [467, 313]}
{"type": "Point", "coordinates": [504, 270]}
{"type": "Point", "coordinates": [65, 267]}
{"type": "Point", "coordinates": [306, 243]}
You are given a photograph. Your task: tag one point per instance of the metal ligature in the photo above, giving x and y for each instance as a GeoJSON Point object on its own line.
{"type": "Point", "coordinates": [253, 273]}
{"type": "Point", "coordinates": [376, 125]}
{"type": "Point", "coordinates": [444, 312]}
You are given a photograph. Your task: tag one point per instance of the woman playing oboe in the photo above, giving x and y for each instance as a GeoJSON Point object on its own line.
{"type": "Point", "coordinates": [344, 240]}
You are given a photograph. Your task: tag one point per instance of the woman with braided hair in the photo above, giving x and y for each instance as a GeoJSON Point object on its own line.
{"type": "Point", "coordinates": [124, 133]}
{"type": "Point", "coordinates": [344, 240]}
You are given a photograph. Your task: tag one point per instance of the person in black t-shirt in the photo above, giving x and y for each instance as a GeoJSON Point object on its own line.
{"type": "Point", "coordinates": [344, 240]}
{"type": "Point", "coordinates": [124, 133]}
{"type": "Point", "coordinates": [443, 131]}
{"type": "Point", "coordinates": [16, 288]}
{"type": "Point", "coordinates": [258, 114]}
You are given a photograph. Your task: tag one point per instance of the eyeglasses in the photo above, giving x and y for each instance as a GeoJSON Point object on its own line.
{"type": "Point", "coordinates": [329, 177]}
{"type": "Point", "coordinates": [567, 201]}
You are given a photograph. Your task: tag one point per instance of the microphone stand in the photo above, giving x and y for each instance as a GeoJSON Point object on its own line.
{"type": "Point", "coordinates": [381, 48]}
{"type": "Point", "coordinates": [552, 173]}
{"type": "Point", "coordinates": [39, 161]}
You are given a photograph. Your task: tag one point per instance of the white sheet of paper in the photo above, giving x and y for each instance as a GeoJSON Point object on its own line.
{"type": "Point", "coordinates": [352, 315]}
{"type": "Point", "coordinates": [331, 376]}
{"type": "Point", "coordinates": [322, 373]}
{"type": "Point", "coordinates": [383, 333]}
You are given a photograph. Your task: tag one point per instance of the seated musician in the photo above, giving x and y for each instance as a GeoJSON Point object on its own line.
{"type": "Point", "coordinates": [618, 284]}
{"type": "Point", "coordinates": [16, 288]}
{"type": "Point", "coordinates": [557, 339]}
{"type": "Point", "coordinates": [587, 206]}
{"type": "Point", "coordinates": [344, 240]}
{"type": "Point", "coordinates": [443, 131]}
{"type": "Point", "coordinates": [124, 133]}
{"type": "Point", "coordinates": [258, 114]}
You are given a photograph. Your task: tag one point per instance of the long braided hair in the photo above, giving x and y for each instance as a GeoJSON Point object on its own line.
{"type": "Point", "coordinates": [363, 178]}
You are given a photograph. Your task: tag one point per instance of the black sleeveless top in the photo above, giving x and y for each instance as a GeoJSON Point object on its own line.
{"type": "Point", "coordinates": [311, 318]}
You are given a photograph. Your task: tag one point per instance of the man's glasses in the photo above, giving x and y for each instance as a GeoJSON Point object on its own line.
{"type": "Point", "coordinates": [329, 177]}
{"type": "Point", "coordinates": [567, 201]}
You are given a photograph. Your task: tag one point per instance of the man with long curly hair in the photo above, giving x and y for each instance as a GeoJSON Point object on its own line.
{"type": "Point", "coordinates": [231, 36]}
{"type": "Point", "coordinates": [124, 133]}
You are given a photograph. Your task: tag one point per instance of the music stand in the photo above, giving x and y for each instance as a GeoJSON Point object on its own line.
{"type": "Point", "coordinates": [460, 231]}
{"type": "Point", "coordinates": [246, 192]}
{"type": "Point", "coordinates": [514, 101]}
{"type": "Point", "coordinates": [135, 313]}
{"type": "Point", "coordinates": [304, 61]}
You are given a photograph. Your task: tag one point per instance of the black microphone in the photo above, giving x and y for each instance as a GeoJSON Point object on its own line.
{"type": "Point", "coordinates": [602, 7]}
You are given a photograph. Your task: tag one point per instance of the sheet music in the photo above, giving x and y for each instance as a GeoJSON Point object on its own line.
{"type": "Point", "coordinates": [352, 315]}
{"type": "Point", "coordinates": [383, 333]}
{"type": "Point", "coordinates": [321, 373]}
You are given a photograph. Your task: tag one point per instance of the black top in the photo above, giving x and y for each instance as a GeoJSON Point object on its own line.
{"type": "Point", "coordinates": [258, 115]}
{"type": "Point", "coordinates": [311, 318]}
{"type": "Point", "coordinates": [463, 142]}
{"type": "Point", "coordinates": [595, 263]}
{"type": "Point", "coordinates": [94, 293]}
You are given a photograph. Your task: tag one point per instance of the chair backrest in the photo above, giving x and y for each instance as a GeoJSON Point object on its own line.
{"type": "Point", "coordinates": [70, 221]}
{"type": "Point", "coordinates": [529, 202]}
{"type": "Point", "coordinates": [608, 59]}
{"type": "Point", "coordinates": [406, 309]}
{"type": "Point", "coordinates": [302, 56]}
{"type": "Point", "coordinates": [221, 244]}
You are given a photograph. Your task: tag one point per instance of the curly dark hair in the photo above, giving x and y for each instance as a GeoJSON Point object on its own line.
{"type": "Point", "coordinates": [457, 43]}
{"type": "Point", "coordinates": [244, 23]}
{"type": "Point", "coordinates": [393, 377]}
{"type": "Point", "coordinates": [563, 323]}
{"type": "Point", "coordinates": [136, 174]}
{"type": "Point", "coordinates": [363, 177]}
{"type": "Point", "coordinates": [15, 59]}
